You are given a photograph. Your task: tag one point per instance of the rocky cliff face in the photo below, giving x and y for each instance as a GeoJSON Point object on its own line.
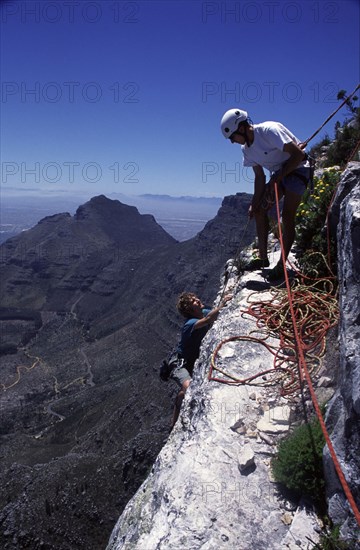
{"type": "Point", "coordinates": [211, 485]}
{"type": "Point", "coordinates": [88, 314]}
{"type": "Point", "coordinates": [343, 416]}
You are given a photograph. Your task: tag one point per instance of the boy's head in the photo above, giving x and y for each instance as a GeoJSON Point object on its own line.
{"type": "Point", "coordinates": [187, 301]}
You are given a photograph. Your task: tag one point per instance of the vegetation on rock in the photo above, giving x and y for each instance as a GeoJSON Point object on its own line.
{"type": "Point", "coordinates": [347, 137]}
{"type": "Point", "coordinates": [330, 540]}
{"type": "Point", "coordinates": [317, 249]}
{"type": "Point", "coordinates": [298, 463]}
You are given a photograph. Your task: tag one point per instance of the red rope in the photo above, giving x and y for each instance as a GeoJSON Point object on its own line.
{"type": "Point", "coordinates": [240, 381]}
{"type": "Point", "coordinates": [353, 152]}
{"type": "Point", "coordinates": [310, 336]}
{"type": "Point", "coordinates": [316, 312]}
{"type": "Point", "coordinates": [303, 369]}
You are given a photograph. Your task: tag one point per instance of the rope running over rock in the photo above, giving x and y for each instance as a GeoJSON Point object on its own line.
{"type": "Point", "coordinates": [316, 311]}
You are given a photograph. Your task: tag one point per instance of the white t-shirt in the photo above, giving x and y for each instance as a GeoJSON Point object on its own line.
{"type": "Point", "coordinates": [267, 147]}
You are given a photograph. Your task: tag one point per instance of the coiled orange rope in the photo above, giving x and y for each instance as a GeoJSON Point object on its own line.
{"type": "Point", "coordinates": [316, 311]}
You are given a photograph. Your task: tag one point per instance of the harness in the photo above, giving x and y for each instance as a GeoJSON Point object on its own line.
{"type": "Point", "coordinates": [269, 193]}
{"type": "Point", "coordinates": [297, 173]}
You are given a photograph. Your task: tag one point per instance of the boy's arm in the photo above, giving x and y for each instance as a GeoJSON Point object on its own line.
{"type": "Point", "coordinates": [212, 315]}
{"type": "Point", "coordinates": [296, 156]}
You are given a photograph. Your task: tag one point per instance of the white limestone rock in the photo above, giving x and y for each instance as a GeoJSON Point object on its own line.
{"type": "Point", "coordinates": [343, 414]}
{"type": "Point", "coordinates": [275, 421]}
{"type": "Point", "coordinates": [324, 382]}
{"type": "Point", "coordinates": [304, 532]}
{"type": "Point", "coordinates": [246, 458]}
{"type": "Point", "coordinates": [227, 351]}
{"type": "Point", "coordinates": [349, 180]}
{"type": "Point", "coordinates": [210, 488]}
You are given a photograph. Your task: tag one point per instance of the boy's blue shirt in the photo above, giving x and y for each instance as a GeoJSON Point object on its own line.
{"type": "Point", "coordinates": [189, 345]}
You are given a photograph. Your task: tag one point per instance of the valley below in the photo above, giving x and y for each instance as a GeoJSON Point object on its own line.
{"type": "Point", "coordinates": [87, 315]}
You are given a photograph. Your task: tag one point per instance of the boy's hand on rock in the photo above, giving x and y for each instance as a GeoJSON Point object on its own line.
{"type": "Point", "coordinates": [226, 299]}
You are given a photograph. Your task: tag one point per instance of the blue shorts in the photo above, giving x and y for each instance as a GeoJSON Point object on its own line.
{"type": "Point", "coordinates": [294, 183]}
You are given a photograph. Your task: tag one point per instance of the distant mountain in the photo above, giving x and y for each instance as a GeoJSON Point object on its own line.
{"type": "Point", "coordinates": [88, 313]}
{"type": "Point", "coordinates": [182, 217]}
{"type": "Point", "coordinates": [63, 254]}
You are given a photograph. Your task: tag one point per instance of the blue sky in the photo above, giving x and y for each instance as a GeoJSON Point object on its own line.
{"type": "Point", "coordinates": [127, 97]}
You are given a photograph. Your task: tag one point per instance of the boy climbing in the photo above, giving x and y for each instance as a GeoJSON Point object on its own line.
{"type": "Point", "coordinates": [198, 321]}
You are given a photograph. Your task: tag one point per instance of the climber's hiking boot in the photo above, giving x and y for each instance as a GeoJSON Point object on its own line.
{"type": "Point", "coordinates": [276, 274]}
{"type": "Point", "coordinates": [256, 263]}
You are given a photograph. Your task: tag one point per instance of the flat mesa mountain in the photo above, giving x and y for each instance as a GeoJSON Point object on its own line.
{"type": "Point", "coordinates": [87, 314]}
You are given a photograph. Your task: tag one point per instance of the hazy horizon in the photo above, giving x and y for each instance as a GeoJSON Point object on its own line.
{"type": "Point", "coordinates": [181, 217]}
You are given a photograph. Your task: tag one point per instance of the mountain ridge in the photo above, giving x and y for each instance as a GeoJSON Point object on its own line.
{"type": "Point", "coordinates": [20, 212]}
{"type": "Point", "coordinates": [78, 396]}
{"type": "Point", "coordinates": [212, 484]}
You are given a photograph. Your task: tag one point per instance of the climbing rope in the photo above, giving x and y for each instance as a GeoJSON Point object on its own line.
{"type": "Point", "coordinates": [305, 143]}
{"type": "Point", "coordinates": [303, 370]}
{"type": "Point", "coordinates": [306, 313]}
{"type": "Point", "coordinates": [354, 151]}
{"type": "Point", "coordinates": [316, 312]}
{"type": "Point", "coordinates": [271, 199]}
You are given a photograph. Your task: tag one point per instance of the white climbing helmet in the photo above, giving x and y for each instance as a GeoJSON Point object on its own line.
{"type": "Point", "coordinates": [231, 120]}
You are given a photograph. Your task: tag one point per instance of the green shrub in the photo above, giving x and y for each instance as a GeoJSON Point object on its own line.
{"type": "Point", "coordinates": [340, 150]}
{"type": "Point", "coordinates": [298, 463]}
{"type": "Point", "coordinates": [347, 135]}
{"type": "Point", "coordinates": [315, 150]}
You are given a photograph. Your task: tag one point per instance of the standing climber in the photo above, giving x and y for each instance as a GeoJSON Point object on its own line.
{"type": "Point", "coordinates": [198, 321]}
{"type": "Point", "coordinates": [272, 146]}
